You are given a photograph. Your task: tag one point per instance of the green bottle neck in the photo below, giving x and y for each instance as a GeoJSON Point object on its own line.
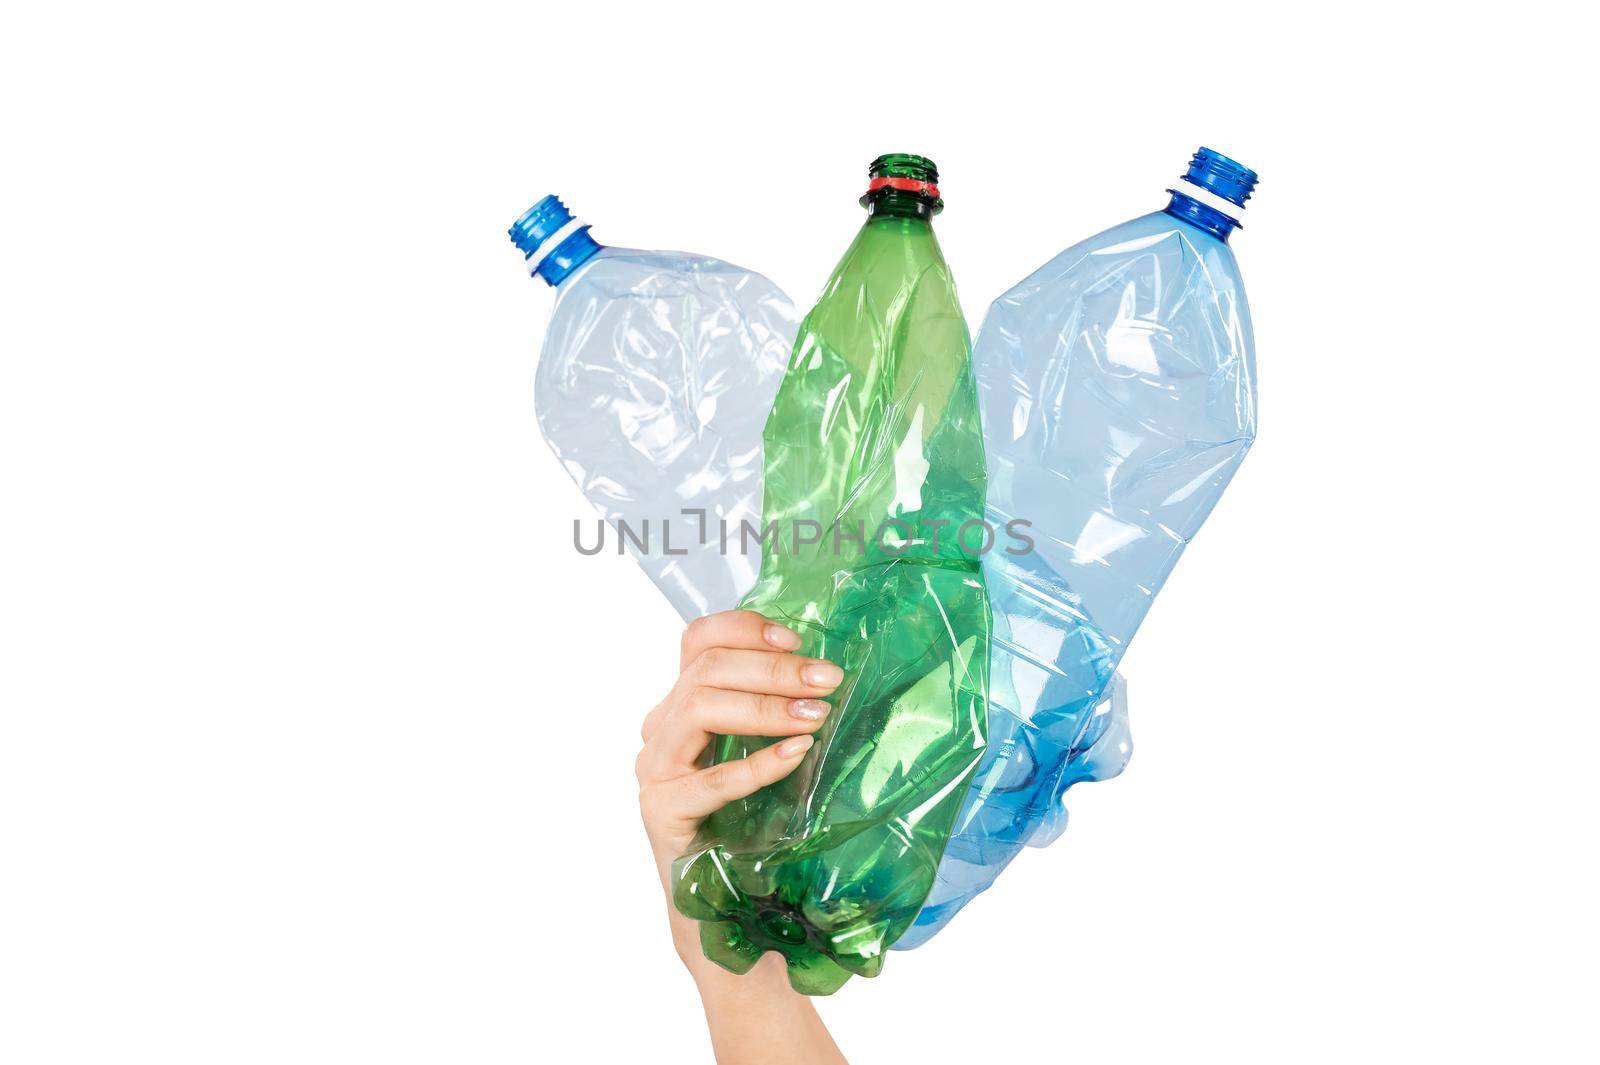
{"type": "Point", "coordinates": [889, 203]}
{"type": "Point", "coordinates": [902, 186]}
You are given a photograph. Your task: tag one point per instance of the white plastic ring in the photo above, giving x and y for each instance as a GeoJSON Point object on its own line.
{"type": "Point", "coordinates": [552, 242]}
{"type": "Point", "coordinates": [1210, 199]}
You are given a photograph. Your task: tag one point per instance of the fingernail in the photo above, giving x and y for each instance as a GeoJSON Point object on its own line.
{"type": "Point", "coordinates": [821, 674]}
{"type": "Point", "coordinates": [794, 746]}
{"type": "Point", "coordinates": [781, 638]}
{"type": "Point", "coordinates": [808, 709]}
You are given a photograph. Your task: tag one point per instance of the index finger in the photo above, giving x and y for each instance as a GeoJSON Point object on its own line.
{"type": "Point", "coordinates": [743, 630]}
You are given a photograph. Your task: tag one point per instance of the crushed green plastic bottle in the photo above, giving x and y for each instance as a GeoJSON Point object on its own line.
{"type": "Point", "coordinates": [873, 454]}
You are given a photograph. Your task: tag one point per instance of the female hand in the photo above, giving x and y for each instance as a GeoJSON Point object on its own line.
{"type": "Point", "coordinates": [737, 677]}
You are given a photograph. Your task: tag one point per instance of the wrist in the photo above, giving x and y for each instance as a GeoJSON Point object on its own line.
{"type": "Point", "coordinates": [769, 976]}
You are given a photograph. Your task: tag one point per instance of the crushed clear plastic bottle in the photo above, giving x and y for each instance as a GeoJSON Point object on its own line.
{"type": "Point", "coordinates": [1118, 391]}
{"type": "Point", "coordinates": [653, 385]}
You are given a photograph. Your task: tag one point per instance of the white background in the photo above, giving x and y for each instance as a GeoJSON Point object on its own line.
{"type": "Point", "coordinates": [318, 736]}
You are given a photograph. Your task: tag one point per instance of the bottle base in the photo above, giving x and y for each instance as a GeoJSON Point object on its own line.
{"type": "Point", "coordinates": [736, 945]}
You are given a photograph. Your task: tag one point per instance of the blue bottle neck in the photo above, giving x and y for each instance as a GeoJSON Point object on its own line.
{"type": "Point", "coordinates": [552, 242]}
{"type": "Point", "coordinates": [570, 254]}
{"type": "Point", "coordinates": [1188, 209]}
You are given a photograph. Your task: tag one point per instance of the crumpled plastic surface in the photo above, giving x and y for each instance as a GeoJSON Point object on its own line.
{"type": "Point", "coordinates": [1119, 397]}
{"type": "Point", "coordinates": [653, 386]}
{"type": "Point", "coordinates": [873, 448]}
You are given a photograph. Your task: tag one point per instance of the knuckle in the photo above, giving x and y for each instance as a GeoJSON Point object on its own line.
{"type": "Point", "coordinates": [756, 712]}
{"type": "Point", "coordinates": [775, 708]}
{"type": "Point", "coordinates": [695, 702]}
{"type": "Point", "coordinates": [717, 779]}
{"type": "Point", "coordinates": [709, 661]}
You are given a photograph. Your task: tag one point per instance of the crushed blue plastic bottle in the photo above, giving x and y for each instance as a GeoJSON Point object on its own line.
{"type": "Point", "coordinates": [1118, 391]}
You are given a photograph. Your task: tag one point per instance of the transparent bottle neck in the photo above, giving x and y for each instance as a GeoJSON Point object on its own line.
{"type": "Point", "coordinates": [1202, 216]}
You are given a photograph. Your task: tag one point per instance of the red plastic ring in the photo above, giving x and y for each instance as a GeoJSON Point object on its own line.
{"type": "Point", "coordinates": [926, 188]}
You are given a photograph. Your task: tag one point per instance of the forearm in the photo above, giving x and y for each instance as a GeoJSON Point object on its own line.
{"type": "Point", "coordinates": [757, 1018]}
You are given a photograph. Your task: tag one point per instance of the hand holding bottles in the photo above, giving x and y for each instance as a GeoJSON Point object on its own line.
{"type": "Point", "coordinates": [738, 676]}
{"type": "Point", "coordinates": [1118, 398]}
{"type": "Point", "coordinates": [734, 669]}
